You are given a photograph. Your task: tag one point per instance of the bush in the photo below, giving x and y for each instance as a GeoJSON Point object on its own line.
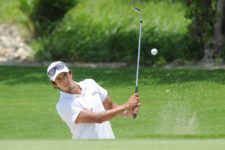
{"type": "Point", "coordinates": [107, 31]}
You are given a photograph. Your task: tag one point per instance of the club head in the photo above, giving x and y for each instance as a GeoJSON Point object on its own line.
{"type": "Point", "coordinates": [137, 10]}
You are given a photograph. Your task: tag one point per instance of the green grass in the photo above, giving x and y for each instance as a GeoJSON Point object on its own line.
{"type": "Point", "coordinates": [175, 103]}
{"type": "Point", "coordinates": [115, 145]}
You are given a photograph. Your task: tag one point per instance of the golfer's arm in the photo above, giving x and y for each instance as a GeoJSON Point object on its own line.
{"type": "Point", "coordinates": [109, 104]}
{"type": "Point", "coordinates": [87, 116]}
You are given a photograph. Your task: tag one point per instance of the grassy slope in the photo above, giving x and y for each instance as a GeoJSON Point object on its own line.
{"type": "Point", "coordinates": [175, 103]}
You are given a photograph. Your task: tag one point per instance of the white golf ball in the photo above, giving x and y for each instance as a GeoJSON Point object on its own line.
{"type": "Point", "coordinates": [154, 51]}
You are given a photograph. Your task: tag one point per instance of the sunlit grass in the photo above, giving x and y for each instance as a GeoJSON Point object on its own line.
{"type": "Point", "coordinates": [134, 144]}
{"type": "Point", "coordinates": [175, 103]}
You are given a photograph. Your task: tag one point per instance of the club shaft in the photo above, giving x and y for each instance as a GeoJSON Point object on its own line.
{"type": "Point", "coordinates": [138, 56]}
{"type": "Point", "coordinates": [138, 60]}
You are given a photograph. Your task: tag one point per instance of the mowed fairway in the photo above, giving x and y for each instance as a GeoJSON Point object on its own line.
{"type": "Point", "coordinates": [139, 144]}
{"type": "Point", "coordinates": [181, 109]}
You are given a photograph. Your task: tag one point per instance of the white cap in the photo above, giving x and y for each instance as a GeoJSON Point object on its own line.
{"type": "Point", "coordinates": [55, 68]}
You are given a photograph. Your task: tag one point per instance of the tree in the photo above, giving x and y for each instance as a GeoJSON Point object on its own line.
{"type": "Point", "coordinates": [206, 32]}
{"type": "Point", "coordinates": [219, 30]}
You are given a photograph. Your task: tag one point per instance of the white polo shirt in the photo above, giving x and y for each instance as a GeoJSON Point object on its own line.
{"type": "Point", "coordinates": [91, 98]}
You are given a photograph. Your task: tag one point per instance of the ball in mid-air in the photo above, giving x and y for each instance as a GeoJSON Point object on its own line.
{"type": "Point", "coordinates": [154, 51]}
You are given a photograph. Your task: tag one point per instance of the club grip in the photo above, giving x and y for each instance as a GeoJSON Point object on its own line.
{"type": "Point", "coordinates": [134, 116]}
{"type": "Point", "coordinates": [136, 91]}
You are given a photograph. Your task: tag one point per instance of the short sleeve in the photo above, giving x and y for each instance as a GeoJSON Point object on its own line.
{"type": "Point", "coordinates": [68, 113]}
{"type": "Point", "coordinates": [75, 112]}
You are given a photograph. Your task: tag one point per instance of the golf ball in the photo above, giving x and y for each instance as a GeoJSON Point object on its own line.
{"type": "Point", "coordinates": [154, 51]}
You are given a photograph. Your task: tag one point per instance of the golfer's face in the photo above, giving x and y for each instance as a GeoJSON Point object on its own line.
{"type": "Point", "coordinates": [64, 81]}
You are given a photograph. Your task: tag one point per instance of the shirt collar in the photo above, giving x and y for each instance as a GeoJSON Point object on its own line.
{"type": "Point", "coordinates": [76, 95]}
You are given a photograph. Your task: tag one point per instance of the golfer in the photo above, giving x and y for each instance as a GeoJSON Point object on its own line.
{"type": "Point", "coordinates": [85, 106]}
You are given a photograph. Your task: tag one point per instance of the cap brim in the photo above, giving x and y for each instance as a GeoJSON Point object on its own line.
{"type": "Point", "coordinates": [65, 69]}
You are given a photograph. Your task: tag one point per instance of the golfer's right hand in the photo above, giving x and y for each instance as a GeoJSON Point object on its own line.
{"type": "Point", "coordinates": [134, 101]}
{"type": "Point", "coordinates": [136, 109]}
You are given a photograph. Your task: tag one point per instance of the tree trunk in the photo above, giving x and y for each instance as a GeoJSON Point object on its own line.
{"type": "Point", "coordinates": [218, 36]}
{"type": "Point", "coordinates": [213, 49]}
{"type": "Point", "coordinates": [207, 59]}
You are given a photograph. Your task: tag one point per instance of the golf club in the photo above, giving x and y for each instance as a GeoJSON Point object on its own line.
{"type": "Point", "coordinates": [138, 57]}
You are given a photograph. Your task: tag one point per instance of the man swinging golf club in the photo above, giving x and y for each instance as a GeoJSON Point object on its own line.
{"type": "Point", "coordinates": [85, 106]}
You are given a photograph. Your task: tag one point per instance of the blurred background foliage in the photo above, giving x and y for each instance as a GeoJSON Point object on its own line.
{"type": "Point", "coordinates": [104, 31]}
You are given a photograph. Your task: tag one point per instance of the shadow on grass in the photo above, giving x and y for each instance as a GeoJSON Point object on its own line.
{"type": "Point", "coordinates": [11, 75]}
{"type": "Point", "coordinates": [126, 76]}
{"type": "Point", "coordinates": [164, 76]}
{"type": "Point", "coordinates": [183, 136]}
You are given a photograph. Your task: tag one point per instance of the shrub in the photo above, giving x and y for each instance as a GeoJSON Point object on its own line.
{"type": "Point", "coordinates": [107, 31]}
